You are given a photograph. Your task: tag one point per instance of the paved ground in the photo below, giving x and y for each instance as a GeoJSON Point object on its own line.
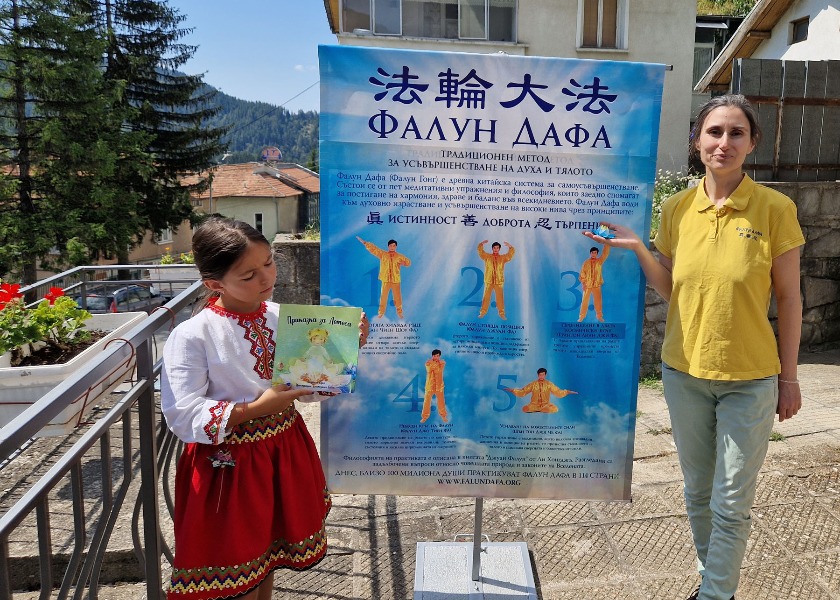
{"type": "Point", "coordinates": [615, 551]}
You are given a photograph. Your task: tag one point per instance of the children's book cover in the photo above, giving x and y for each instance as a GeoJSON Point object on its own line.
{"type": "Point", "coordinates": [317, 348]}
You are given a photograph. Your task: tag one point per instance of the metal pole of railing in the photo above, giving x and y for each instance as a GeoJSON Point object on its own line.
{"type": "Point", "coordinates": [149, 473]}
{"type": "Point", "coordinates": [5, 580]}
{"type": "Point", "coordinates": [476, 560]}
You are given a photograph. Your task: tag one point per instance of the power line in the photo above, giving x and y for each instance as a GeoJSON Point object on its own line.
{"type": "Point", "coordinates": [273, 110]}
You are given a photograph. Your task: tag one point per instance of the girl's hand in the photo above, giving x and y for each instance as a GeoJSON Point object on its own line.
{"type": "Point", "coordinates": [364, 330]}
{"type": "Point", "coordinates": [624, 237]}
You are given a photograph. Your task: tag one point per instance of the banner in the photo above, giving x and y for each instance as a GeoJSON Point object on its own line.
{"type": "Point", "coordinates": [504, 351]}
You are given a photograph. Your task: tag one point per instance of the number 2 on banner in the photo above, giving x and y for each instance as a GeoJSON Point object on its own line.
{"type": "Point", "coordinates": [476, 291]}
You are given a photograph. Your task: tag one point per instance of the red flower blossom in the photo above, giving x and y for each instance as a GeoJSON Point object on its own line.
{"type": "Point", "coordinates": [9, 292]}
{"type": "Point", "coordinates": [54, 293]}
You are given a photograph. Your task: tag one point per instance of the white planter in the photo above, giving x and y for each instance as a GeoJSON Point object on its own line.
{"type": "Point", "coordinates": [20, 387]}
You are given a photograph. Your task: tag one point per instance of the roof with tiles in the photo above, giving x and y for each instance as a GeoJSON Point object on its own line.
{"type": "Point", "coordinates": [246, 180]}
{"type": "Point", "coordinates": [300, 177]}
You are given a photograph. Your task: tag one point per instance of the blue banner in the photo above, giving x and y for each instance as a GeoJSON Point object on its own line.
{"type": "Point", "coordinates": [504, 350]}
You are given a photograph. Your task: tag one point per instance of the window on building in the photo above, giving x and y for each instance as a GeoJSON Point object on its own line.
{"type": "Point", "coordinates": [799, 30]}
{"type": "Point", "coordinates": [258, 222]}
{"type": "Point", "coordinates": [601, 23]}
{"type": "Point", "coordinates": [473, 20]}
{"type": "Point", "coordinates": [431, 18]}
{"type": "Point", "coordinates": [703, 55]}
{"type": "Point", "coordinates": [387, 17]}
{"type": "Point", "coordinates": [355, 14]}
{"type": "Point", "coordinates": [165, 236]}
{"type": "Point", "coordinates": [492, 20]}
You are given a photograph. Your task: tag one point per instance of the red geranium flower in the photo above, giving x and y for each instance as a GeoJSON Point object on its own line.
{"type": "Point", "coordinates": [54, 293]}
{"type": "Point", "coordinates": [9, 292]}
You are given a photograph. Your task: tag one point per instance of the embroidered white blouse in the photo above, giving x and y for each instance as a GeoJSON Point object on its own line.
{"type": "Point", "coordinates": [211, 362]}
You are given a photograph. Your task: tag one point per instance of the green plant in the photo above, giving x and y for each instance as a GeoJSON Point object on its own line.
{"type": "Point", "coordinates": [650, 382]}
{"type": "Point", "coordinates": [55, 319]}
{"type": "Point", "coordinates": [61, 320]}
{"type": "Point", "coordinates": [187, 258]}
{"type": "Point", "coordinates": [17, 328]}
{"type": "Point", "coordinates": [667, 184]}
{"type": "Point", "coordinates": [167, 259]}
{"type": "Point", "coordinates": [775, 436]}
{"type": "Point", "coordinates": [312, 232]}
{"type": "Point", "coordinates": [725, 7]}
{"type": "Point", "coordinates": [662, 431]}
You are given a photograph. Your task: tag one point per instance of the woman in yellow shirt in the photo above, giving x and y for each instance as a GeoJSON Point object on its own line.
{"type": "Point", "coordinates": [724, 246]}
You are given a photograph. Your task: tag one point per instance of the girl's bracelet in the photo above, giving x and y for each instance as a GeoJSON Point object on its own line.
{"type": "Point", "coordinates": [796, 381]}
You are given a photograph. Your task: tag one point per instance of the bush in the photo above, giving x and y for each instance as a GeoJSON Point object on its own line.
{"type": "Point", "coordinates": [667, 184]}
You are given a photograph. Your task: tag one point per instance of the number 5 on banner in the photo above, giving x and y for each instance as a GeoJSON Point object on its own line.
{"type": "Point", "coordinates": [500, 385]}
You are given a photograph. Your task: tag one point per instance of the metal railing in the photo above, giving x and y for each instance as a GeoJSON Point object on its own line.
{"type": "Point", "coordinates": [93, 527]}
{"type": "Point", "coordinates": [168, 279]}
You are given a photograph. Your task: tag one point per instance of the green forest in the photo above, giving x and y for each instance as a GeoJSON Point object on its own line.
{"type": "Point", "coordinates": [98, 125]}
{"type": "Point", "coordinates": [254, 125]}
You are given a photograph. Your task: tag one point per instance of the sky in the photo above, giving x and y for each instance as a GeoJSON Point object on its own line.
{"type": "Point", "coordinates": [261, 50]}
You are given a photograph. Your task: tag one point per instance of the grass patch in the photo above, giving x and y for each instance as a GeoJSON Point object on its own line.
{"type": "Point", "coordinates": [663, 431]}
{"type": "Point", "coordinates": [651, 382]}
{"type": "Point", "coordinates": [776, 437]}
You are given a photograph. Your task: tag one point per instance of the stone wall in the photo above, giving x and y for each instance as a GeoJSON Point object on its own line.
{"type": "Point", "coordinates": [298, 269]}
{"type": "Point", "coordinates": [818, 203]}
{"type": "Point", "coordinates": [818, 206]}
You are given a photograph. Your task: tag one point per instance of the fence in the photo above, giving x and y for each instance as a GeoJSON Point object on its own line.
{"type": "Point", "coordinates": [124, 441]}
{"type": "Point", "coordinates": [799, 107]}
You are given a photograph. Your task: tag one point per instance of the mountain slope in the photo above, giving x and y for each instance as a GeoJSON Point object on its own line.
{"type": "Point", "coordinates": [254, 125]}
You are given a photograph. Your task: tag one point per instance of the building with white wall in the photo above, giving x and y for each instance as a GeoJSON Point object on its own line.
{"type": "Point", "coordinates": [779, 30]}
{"type": "Point", "coordinates": [640, 31]}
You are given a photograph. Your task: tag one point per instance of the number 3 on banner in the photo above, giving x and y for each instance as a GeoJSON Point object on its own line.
{"type": "Point", "coordinates": [574, 295]}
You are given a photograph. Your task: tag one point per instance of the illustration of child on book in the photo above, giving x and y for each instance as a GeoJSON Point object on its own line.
{"type": "Point", "coordinates": [316, 367]}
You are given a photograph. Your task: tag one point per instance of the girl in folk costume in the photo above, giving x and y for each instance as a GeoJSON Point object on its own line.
{"type": "Point", "coordinates": [250, 493]}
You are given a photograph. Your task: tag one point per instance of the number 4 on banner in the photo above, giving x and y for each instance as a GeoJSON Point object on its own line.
{"type": "Point", "coordinates": [411, 394]}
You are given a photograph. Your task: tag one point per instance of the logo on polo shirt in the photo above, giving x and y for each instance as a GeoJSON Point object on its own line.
{"type": "Point", "coordinates": [749, 233]}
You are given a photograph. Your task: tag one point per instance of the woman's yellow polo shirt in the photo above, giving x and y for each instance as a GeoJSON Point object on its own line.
{"type": "Point", "coordinates": [717, 326]}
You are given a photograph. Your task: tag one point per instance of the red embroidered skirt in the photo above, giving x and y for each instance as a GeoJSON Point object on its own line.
{"type": "Point", "coordinates": [235, 524]}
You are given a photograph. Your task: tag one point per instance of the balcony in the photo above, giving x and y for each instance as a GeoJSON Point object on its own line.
{"type": "Point", "coordinates": [70, 497]}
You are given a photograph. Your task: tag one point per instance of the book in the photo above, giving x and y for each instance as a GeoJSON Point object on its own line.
{"type": "Point", "coordinates": [317, 347]}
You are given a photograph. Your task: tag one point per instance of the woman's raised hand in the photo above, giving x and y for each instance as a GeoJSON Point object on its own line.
{"type": "Point", "coordinates": [624, 237]}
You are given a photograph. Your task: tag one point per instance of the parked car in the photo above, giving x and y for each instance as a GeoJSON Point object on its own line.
{"type": "Point", "coordinates": [132, 298]}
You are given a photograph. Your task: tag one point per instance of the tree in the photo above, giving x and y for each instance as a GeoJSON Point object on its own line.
{"type": "Point", "coordinates": [50, 94]}
{"type": "Point", "coordinates": [97, 128]}
{"type": "Point", "coordinates": [169, 108]}
{"type": "Point", "coordinates": [737, 8]}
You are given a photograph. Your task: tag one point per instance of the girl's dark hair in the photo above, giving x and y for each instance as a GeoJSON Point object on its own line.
{"type": "Point", "coordinates": [217, 244]}
{"type": "Point", "coordinates": [734, 100]}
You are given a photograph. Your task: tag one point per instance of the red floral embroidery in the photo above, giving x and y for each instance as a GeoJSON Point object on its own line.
{"type": "Point", "coordinates": [258, 333]}
{"type": "Point", "coordinates": [214, 425]}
